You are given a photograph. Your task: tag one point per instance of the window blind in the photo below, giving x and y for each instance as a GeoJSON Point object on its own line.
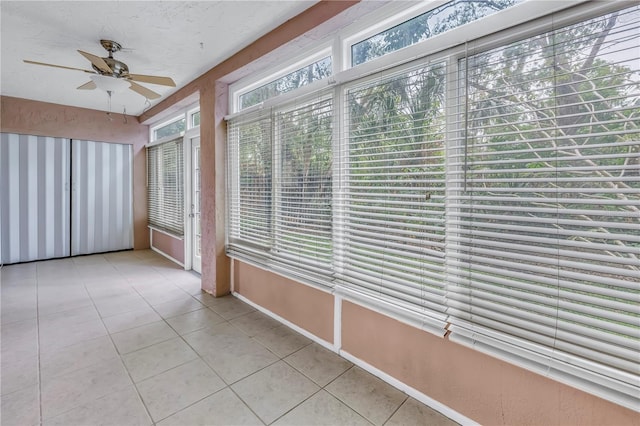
{"type": "Point", "coordinates": [165, 187]}
{"type": "Point", "coordinates": [392, 208]}
{"type": "Point", "coordinates": [250, 196]}
{"type": "Point", "coordinates": [303, 226]}
{"type": "Point", "coordinates": [280, 189]}
{"type": "Point", "coordinates": [544, 259]}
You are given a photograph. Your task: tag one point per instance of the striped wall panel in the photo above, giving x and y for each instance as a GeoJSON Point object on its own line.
{"type": "Point", "coordinates": [34, 197]}
{"type": "Point", "coordinates": [102, 212]}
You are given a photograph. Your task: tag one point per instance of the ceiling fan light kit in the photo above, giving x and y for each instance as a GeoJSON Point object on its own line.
{"type": "Point", "coordinates": [112, 75]}
{"type": "Point", "coordinates": [109, 84]}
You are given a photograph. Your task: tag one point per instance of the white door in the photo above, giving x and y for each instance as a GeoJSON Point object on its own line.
{"type": "Point", "coordinates": [196, 262]}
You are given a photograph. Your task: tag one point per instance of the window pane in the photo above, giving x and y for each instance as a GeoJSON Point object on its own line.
{"type": "Point", "coordinates": [303, 215]}
{"type": "Point", "coordinates": [195, 119]}
{"type": "Point", "coordinates": [308, 74]}
{"type": "Point", "coordinates": [252, 217]}
{"type": "Point", "coordinates": [436, 21]}
{"type": "Point", "coordinates": [548, 242]}
{"type": "Point", "coordinates": [170, 129]}
{"type": "Point", "coordinates": [165, 191]}
{"type": "Point", "coordinates": [395, 189]}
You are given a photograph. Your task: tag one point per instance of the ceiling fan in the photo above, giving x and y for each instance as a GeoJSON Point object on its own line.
{"type": "Point", "coordinates": [111, 74]}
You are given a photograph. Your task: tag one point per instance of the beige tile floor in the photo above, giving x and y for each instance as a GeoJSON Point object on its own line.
{"type": "Point", "coordinates": [128, 338]}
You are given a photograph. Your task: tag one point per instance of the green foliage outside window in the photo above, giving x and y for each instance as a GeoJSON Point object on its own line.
{"type": "Point", "coordinates": [436, 21]}
{"type": "Point", "coordinates": [294, 80]}
{"type": "Point", "coordinates": [170, 129]}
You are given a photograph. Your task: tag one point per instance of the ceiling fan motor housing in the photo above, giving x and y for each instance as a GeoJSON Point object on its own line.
{"type": "Point", "coordinates": [120, 69]}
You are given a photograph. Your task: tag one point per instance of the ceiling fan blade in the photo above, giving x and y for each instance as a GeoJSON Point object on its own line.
{"type": "Point", "coordinates": [57, 66]}
{"type": "Point", "coordinates": [149, 94]}
{"type": "Point", "coordinates": [97, 61]}
{"type": "Point", "coordinates": [164, 81]}
{"type": "Point", "coordinates": [90, 85]}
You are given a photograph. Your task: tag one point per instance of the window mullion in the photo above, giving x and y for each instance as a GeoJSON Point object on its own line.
{"type": "Point", "coordinates": [276, 146]}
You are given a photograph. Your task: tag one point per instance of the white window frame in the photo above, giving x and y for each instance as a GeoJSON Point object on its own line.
{"type": "Point", "coordinates": [189, 133]}
{"type": "Point", "coordinates": [190, 114]}
{"type": "Point", "coordinates": [381, 20]}
{"type": "Point", "coordinates": [269, 254]}
{"type": "Point", "coordinates": [153, 129]}
{"type": "Point", "coordinates": [339, 47]}
{"type": "Point", "coordinates": [236, 90]}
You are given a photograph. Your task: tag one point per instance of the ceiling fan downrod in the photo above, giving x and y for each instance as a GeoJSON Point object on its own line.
{"type": "Point", "coordinates": [111, 46]}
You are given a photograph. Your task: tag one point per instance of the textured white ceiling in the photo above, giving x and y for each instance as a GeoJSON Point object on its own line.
{"type": "Point", "coordinates": [181, 40]}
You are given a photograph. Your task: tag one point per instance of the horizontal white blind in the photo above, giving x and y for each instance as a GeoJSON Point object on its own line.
{"type": "Point", "coordinates": [280, 189]}
{"type": "Point", "coordinates": [392, 200]}
{"type": "Point", "coordinates": [545, 246]}
{"type": "Point", "coordinates": [303, 191]}
{"type": "Point", "coordinates": [165, 180]}
{"type": "Point", "coordinates": [250, 195]}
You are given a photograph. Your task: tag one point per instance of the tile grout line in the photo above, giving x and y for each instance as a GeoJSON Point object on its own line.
{"type": "Point", "coordinates": [227, 386]}
{"type": "Point", "coordinates": [226, 323]}
{"type": "Point", "coordinates": [245, 404]}
{"type": "Point", "coordinates": [280, 358]}
{"type": "Point", "coordinates": [298, 404]}
{"type": "Point", "coordinates": [120, 356]}
{"type": "Point", "coordinates": [406, 398]}
{"type": "Point", "coordinates": [229, 323]}
{"type": "Point", "coordinates": [263, 368]}
{"type": "Point", "coordinates": [135, 386]}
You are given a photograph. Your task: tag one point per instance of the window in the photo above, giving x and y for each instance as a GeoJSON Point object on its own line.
{"type": "Point", "coordinates": [282, 192]}
{"type": "Point", "coordinates": [250, 192]}
{"type": "Point", "coordinates": [545, 253]}
{"type": "Point", "coordinates": [436, 21]}
{"type": "Point", "coordinates": [489, 191]}
{"type": "Point", "coordinates": [303, 196]}
{"type": "Point", "coordinates": [195, 119]}
{"type": "Point", "coordinates": [169, 129]}
{"type": "Point", "coordinates": [301, 77]}
{"type": "Point", "coordinates": [165, 174]}
{"type": "Point", "coordinates": [394, 190]}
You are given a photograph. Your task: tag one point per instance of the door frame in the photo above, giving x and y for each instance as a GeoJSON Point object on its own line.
{"type": "Point", "coordinates": [187, 146]}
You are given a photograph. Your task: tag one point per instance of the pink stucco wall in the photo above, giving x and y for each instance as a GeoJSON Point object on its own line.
{"type": "Point", "coordinates": [480, 387]}
{"type": "Point", "coordinates": [171, 246]}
